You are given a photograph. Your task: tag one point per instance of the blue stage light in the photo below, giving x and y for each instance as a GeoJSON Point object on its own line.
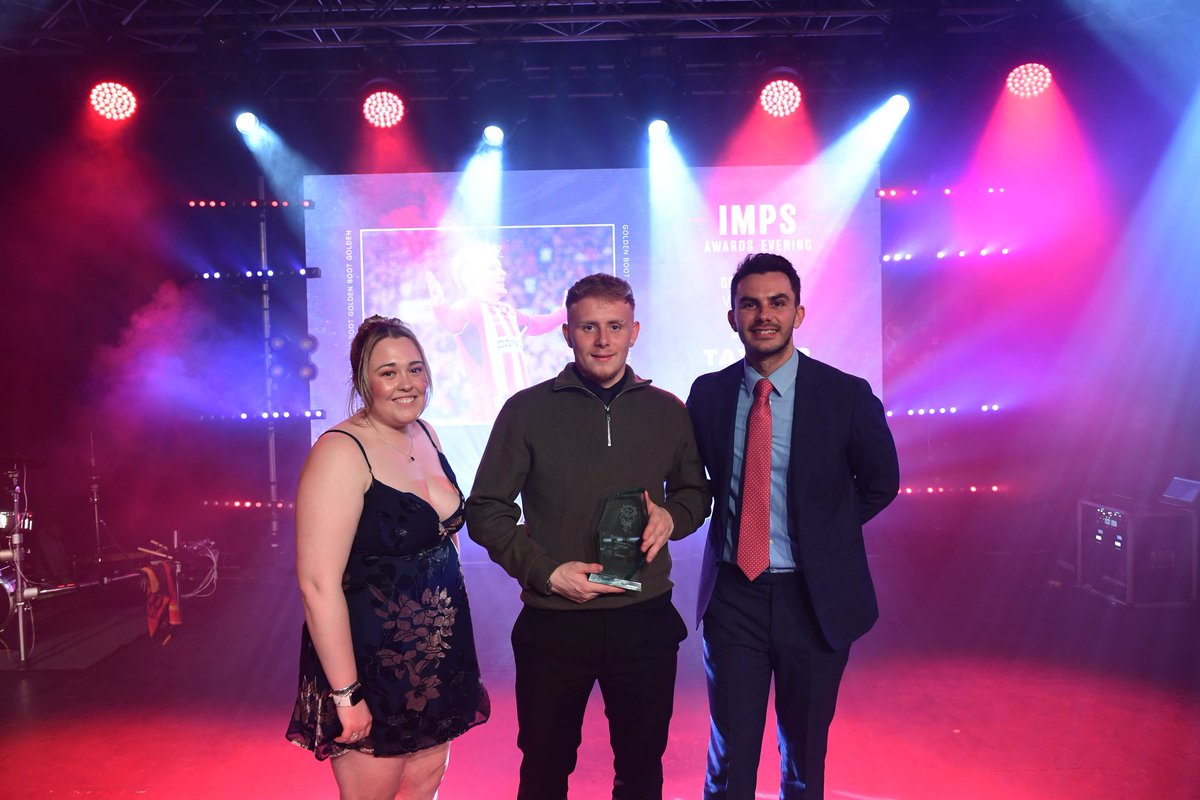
{"type": "Point", "coordinates": [246, 123]}
{"type": "Point", "coordinates": [493, 135]}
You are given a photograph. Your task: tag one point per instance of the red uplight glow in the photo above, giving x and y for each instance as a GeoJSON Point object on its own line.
{"type": "Point", "coordinates": [780, 98]}
{"type": "Point", "coordinates": [1029, 80]}
{"type": "Point", "coordinates": [113, 100]}
{"type": "Point", "coordinates": [383, 109]}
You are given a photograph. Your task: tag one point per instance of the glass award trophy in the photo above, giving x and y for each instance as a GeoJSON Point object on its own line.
{"type": "Point", "coordinates": [619, 540]}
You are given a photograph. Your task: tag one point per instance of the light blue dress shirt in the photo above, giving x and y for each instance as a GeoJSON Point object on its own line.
{"type": "Point", "coordinates": [783, 402]}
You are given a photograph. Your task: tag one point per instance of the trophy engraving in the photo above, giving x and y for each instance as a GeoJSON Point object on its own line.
{"type": "Point", "coordinates": [619, 540]}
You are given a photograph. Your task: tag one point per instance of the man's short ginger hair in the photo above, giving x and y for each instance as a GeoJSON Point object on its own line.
{"type": "Point", "coordinates": [602, 286]}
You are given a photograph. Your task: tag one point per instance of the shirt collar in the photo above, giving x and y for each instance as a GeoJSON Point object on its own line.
{"type": "Point", "coordinates": [781, 379]}
{"type": "Point", "coordinates": [600, 391]}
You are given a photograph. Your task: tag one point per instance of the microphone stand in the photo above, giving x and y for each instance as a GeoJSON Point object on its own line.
{"type": "Point", "coordinates": [97, 522]}
{"type": "Point", "coordinates": [15, 553]}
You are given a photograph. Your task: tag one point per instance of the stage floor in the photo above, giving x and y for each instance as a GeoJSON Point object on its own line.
{"type": "Point", "coordinates": [988, 676]}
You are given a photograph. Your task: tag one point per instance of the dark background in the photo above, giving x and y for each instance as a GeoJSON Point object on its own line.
{"type": "Point", "coordinates": [112, 349]}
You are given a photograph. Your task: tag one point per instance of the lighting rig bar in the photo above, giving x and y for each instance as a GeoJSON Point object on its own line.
{"type": "Point", "coordinates": [273, 203]}
{"type": "Point", "coordinates": [192, 25]}
{"type": "Point", "coordinates": [314, 51]}
{"type": "Point", "coordinates": [308, 413]}
{"type": "Point", "coordinates": [939, 410]}
{"type": "Point", "coordinates": [258, 273]}
{"type": "Point", "coordinates": [248, 505]}
{"type": "Point", "coordinates": [906, 193]}
{"type": "Point", "coordinates": [939, 489]}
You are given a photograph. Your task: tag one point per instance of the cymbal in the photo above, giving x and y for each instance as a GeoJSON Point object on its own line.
{"type": "Point", "coordinates": [21, 461]}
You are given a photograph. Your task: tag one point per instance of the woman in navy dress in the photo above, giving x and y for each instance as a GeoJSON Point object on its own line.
{"type": "Point", "coordinates": [388, 671]}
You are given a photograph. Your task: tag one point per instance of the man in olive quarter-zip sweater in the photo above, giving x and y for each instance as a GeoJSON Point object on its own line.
{"type": "Point", "coordinates": [566, 446]}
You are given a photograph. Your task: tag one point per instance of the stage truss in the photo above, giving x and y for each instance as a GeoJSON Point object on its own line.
{"type": "Point", "coordinates": [312, 50]}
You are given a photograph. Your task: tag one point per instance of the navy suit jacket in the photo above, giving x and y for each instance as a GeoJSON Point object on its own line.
{"type": "Point", "coordinates": [842, 471]}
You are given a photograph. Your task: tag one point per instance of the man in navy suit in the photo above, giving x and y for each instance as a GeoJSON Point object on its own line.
{"type": "Point", "coordinates": [832, 467]}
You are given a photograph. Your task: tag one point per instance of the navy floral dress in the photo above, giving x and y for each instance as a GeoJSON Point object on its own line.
{"type": "Point", "coordinates": [410, 625]}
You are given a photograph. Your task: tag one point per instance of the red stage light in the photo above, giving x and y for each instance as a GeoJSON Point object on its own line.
{"type": "Point", "coordinates": [1029, 80]}
{"type": "Point", "coordinates": [113, 101]}
{"type": "Point", "coordinates": [780, 98]}
{"type": "Point", "coordinates": [383, 109]}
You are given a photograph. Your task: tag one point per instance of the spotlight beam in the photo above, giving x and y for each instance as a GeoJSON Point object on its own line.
{"type": "Point", "coordinates": [854, 159]}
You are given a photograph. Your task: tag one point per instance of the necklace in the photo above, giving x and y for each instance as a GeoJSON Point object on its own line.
{"type": "Point", "coordinates": [395, 447]}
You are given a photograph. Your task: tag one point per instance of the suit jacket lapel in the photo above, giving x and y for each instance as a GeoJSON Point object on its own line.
{"type": "Point", "coordinates": [726, 408]}
{"type": "Point", "coordinates": [803, 415]}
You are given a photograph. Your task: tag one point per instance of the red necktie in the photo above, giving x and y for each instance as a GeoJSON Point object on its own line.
{"type": "Point", "coordinates": [754, 534]}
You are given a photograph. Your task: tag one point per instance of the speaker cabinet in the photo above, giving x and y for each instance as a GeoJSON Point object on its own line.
{"type": "Point", "coordinates": [1136, 554]}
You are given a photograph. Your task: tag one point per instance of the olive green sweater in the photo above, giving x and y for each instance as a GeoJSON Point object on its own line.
{"type": "Point", "coordinates": [558, 447]}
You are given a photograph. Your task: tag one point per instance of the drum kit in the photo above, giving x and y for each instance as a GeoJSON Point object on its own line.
{"type": "Point", "coordinates": [16, 524]}
{"type": "Point", "coordinates": [18, 589]}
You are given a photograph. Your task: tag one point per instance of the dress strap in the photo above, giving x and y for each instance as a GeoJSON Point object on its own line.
{"type": "Point", "coordinates": [425, 428]}
{"type": "Point", "coordinates": [357, 442]}
{"type": "Point", "coordinates": [446, 468]}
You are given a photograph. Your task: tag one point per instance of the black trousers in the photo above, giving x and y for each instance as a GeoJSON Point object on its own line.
{"type": "Point", "coordinates": [560, 655]}
{"type": "Point", "coordinates": [754, 631]}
